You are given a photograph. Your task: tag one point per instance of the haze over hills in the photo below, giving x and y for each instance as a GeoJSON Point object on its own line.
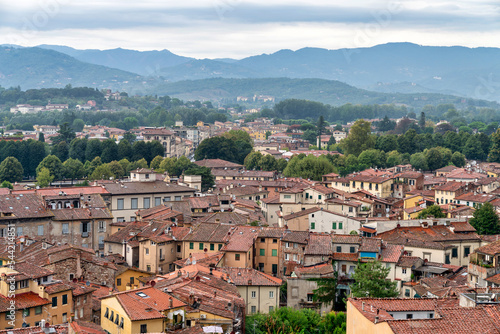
{"type": "Point", "coordinates": [389, 68]}
{"type": "Point", "coordinates": [393, 67]}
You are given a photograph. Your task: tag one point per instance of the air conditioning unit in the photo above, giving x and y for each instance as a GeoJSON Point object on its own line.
{"type": "Point", "coordinates": [203, 316]}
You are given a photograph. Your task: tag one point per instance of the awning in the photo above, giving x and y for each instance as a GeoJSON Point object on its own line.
{"type": "Point", "coordinates": [212, 329]}
{"type": "Point", "coordinates": [433, 270]}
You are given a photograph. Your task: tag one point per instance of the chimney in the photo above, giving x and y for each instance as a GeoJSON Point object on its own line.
{"type": "Point", "coordinates": [362, 306]}
{"type": "Point", "coordinates": [170, 302]}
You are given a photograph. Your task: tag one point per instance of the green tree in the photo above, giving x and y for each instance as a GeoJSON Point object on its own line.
{"type": "Point", "coordinates": [6, 184]}
{"type": "Point", "coordinates": [73, 169]}
{"type": "Point", "coordinates": [370, 280]}
{"type": "Point", "coordinates": [218, 148]}
{"type": "Point", "coordinates": [116, 169]}
{"type": "Point", "coordinates": [485, 220]}
{"type": "Point", "coordinates": [54, 165]}
{"type": "Point", "coordinates": [90, 166]}
{"type": "Point", "coordinates": [109, 151]}
{"type": "Point", "coordinates": [268, 163]}
{"type": "Point", "coordinates": [155, 163]}
{"type": "Point", "coordinates": [129, 137]}
{"type": "Point", "coordinates": [433, 210]}
{"type": "Point", "coordinates": [433, 158]}
{"type": "Point", "coordinates": [207, 179]}
{"type": "Point", "coordinates": [458, 159]}
{"type": "Point", "coordinates": [78, 125]}
{"type": "Point", "coordinates": [93, 149]}
{"type": "Point", "coordinates": [418, 161]}
{"type": "Point", "coordinates": [61, 150]}
{"type": "Point", "coordinates": [124, 149]}
{"type": "Point", "coordinates": [252, 160]}
{"type": "Point", "coordinates": [359, 138]}
{"type": "Point", "coordinates": [310, 136]}
{"type": "Point", "coordinates": [473, 149]}
{"type": "Point", "coordinates": [102, 172]}
{"type": "Point", "coordinates": [142, 163]}
{"type": "Point", "coordinates": [44, 177]}
{"type": "Point", "coordinates": [65, 134]}
{"type": "Point", "coordinates": [321, 129]}
{"type": "Point", "coordinates": [11, 170]}
{"type": "Point", "coordinates": [268, 133]}
{"type": "Point", "coordinates": [41, 137]}
{"type": "Point", "coordinates": [421, 121]}
{"type": "Point", "coordinates": [77, 149]}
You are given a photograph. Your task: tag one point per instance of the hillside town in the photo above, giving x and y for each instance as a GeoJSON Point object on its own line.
{"type": "Point", "coordinates": [153, 252]}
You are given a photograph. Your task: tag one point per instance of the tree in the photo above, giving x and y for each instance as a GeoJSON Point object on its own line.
{"type": "Point", "coordinates": [433, 158]}
{"type": "Point", "coordinates": [54, 165]}
{"type": "Point", "coordinates": [218, 148]}
{"type": "Point", "coordinates": [102, 172]}
{"type": "Point", "coordinates": [61, 150]}
{"type": "Point", "coordinates": [485, 220]}
{"type": "Point", "coordinates": [458, 159]}
{"type": "Point", "coordinates": [155, 163]}
{"type": "Point", "coordinates": [129, 137]}
{"type": "Point", "coordinates": [359, 138]}
{"type": "Point", "coordinates": [386, 125]}
{"type": "Point", "coordinates": [252, 160]}
{"type": "Point", "coordinates": [494, 154]}
{"type": "Point", "coordinates": [331, 141]}
{"type": "Point", "coordinates": [124, 149]}
{"type": "Point", "coordinates": [268, 163]}
{"type": "Point", "coordinates": [321, 129]}
{"type": "Point", "coordinates": [77, 149]}
{"type": "Point", "coordinates": [93, 149]}
{"type": "Point", "coordinates": [370, 280]}
{"type": "Point", "coordinates": [418, 161]}
{"type": "Point", "coordinates": [421, 121]}
{"type": "Point", "coordinates": [41, 137]}
{"type": "Point", "coordinates": [326, 291]}
{"type": "Point", "coordinates": [73, 169]}
{"type": "Point", "coordinates": [11, 170]}
{"type": "Point", "coordinates": [78, 125]}
{"type": "Point", "coordinates": [310, 136]}
{"type": "Point", "coordinates": [473, 149]}
{"type": "Point", "coordinates": [6, 184]}
{"type": "Point", "coordinates": [116, 169]}
{"type": "Point", "coordinates": [65, 133]}
{"type": "Point", "coordinates": [44, 177]}
{"type": "Point", "coordinates": [109, 151]}
{"type": "Point", "coordinates": [433, 210]}
{"type": "Point", "coordinates": [207, 179]}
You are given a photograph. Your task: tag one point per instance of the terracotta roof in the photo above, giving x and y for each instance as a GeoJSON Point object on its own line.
{"type": "Point", "coordinates": [151, 187]}
{"type": "Point", "coordinates": [58, 329]}
{"type": "Point", "coordinates": [495, 279]}
{"type": "Point", "coordinates": [462, 226]}
{"type": "Point", "coordinates": [371, 245]}
{"type": "Point", "coordinates": [477, 198]}
{"type": "Point", "coordinates": [217, 163]}
{"type": "Point", "coordinates": [82, 214]}
{"type": "Point", "coordinates": [231, 218]}
{"type": "Point", "coordinates": [241, 239]}
{"type": "Point", "coordinates": [31, 270]}
{"type": "Point", "coordinates": [301, 213]}
{"type": "Point", "coordinates": [22, 206]}
{"type": "Point", "coordinates": [271, 232]}
{"type": "Point", "coordinates": [353, 257]}
{"type": "Point", "coordinates": [208, 232]}
{"type": "Point", "coordinates": [84, 327]}
{"type": "Point", "coordinates": [246, 276]}
{"type": "Point", "coordinates": [319, 244]}
{"type": "Point", "coordinates": [126, 233]}
{"type": "Point", "coordinates": [451, 186]}
{"type": "Point", "coordinates": [301, 237]}
{"type": "Point", "coordinates": [408, 261]}
{"type": "Point", "coordinates": [22, 301]}
{"type": "Point", "coordinates": [323, 269]}
{"type": "Point", "coordinates": [346, 239]}
{"type": "Point", "coordinates": [391, 253]}
{"type": "Point", "coordinates": [490, 249]}
{"type": "Point", "coordinates": [204, 259]}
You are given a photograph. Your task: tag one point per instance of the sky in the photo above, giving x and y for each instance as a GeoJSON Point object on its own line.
{"type": "Point", "coordinates": [241, 28]}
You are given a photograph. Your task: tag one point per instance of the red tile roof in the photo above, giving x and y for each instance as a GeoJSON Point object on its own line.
{"type": "Point", "coordinates": [490, 249]}
{"type": "Point", "coordinates": [319, 244]}
{"type": "Point", "coordinates": [391, 253]}
{"type": "Point", "coordinates": [246, 276]}
{"type": "Point", "coordinates": [241, 239]}
{"type": "Point", "coordinates": [22, 301]}
{"type": "Point", "coordinates": [323, 269]}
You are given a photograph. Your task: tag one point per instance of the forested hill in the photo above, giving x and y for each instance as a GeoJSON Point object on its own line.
{"type": "Point", "coordinates": [326, 91]}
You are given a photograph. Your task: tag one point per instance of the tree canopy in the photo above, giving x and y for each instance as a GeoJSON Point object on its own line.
{"type": "Point", "coordinates": [370, 280]}
{"type": "Point", "coordinates": [485, 220]}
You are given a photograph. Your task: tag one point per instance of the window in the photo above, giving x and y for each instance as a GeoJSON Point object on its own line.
{"type": "Point", "coordinates": [157, 201]}
{"type": "Point", "coordinates": [334, 226]}
{"type": "Point", "coordinates": [275, 241]}
{"type": "Point", "coordinates": [313, 226]}
{"type": "Point", "coordinates": [271, 308]}
{"type": "Point", "coordinates": [102, 226]}
{"type": "Point", "coordinates": [466, 251]}
{"type": "Point", "coordinates": [85, 229]}
{"type": "Point", "coordinates": [350, 210]}
{"type": "Point", "coordinates": [167, 199]}
{"type": "Point", "coordinates": [177, 198]}
{"type": "Point", "coordinates": [212, 247]}
{"type": "Point", "coordinates": [147, 202]}
{"type": "Point", "coordinates": [352, 249]}
{"type": "Point", "coordinates": [144, 328]}
{"type": "Point", "coordinates": [119, 204]}
{"type": "Point", "coordinates": [344, 268]}
{"type": "Point", "coordinates": [431, 315]}
{"type": "Point", "coordinates": [287, 257]}
{"type": "Point", "coordinates": [287, 196]}
{"type": "Point", "coordinates": [120, 219]}
{"type": "Point", "coordinates": [236, 257]}
{"type": "Point", "coordinates": [191, 245]}
{"type": "Point", "coordinates": [309, 297]}
{"type": "Point", "coordinates": [307, 195]}
{"type": "Point", "coordinates": [146, 250]}
{"type": "Point", "coordinates": [65, 317]}
{"type": "Point", "coordinates": [118, 282]}
{"type": "Point", "coordinates": [340, 225]}
{"type": "Point", "coordinates": [19, 231]}
{"type": "Point", "coordinates": [23, 284]}
{"type": "Point", "coordinates": [254, 294]}
{"type": "Point", "coordinates": [339, 249]}
{"type": "Point", "coordinates": [404, 270]}
{"type": "Point", "coordinates": [131, 280]}
{"type": "Point", "coordinates": [64, 299]}
{"type": "Point", "coordinates": [319, 196]}
{"type": "Point", "coordinates": [447, 259]}
{"type": "Point", "coordinates": [134, 203]}
{"type": "Point", "coordinates": [219, 247]}
{"type": "Point", "coordinates": [409, 316]}
{"type": "Point", "coordinates": [274, 252]}
{"type": "Point", "coordinates": [262, 252]}
{"type": "Point", "coordinates": [454, 252]}
{"type": "Point", "coordinates": [26, 312]}
{"type": "Point", "coordinates": [295, 257]}
{"type": "Point", "coordinates": [254, 309]}
{"type": "Point", "coordinates": [148, 268]}
{"type": "Point", "coordinates": [65, 228]}
{"type": "Point", "coordinates": [38, 310]}
{"type": "Point", "coordinates": [271, 294]}
{"type": "Point", "coordinates": [40, 229]}
{"type": "Point", "coordinates": [200, 246]}
{"type": "Point", "coordinates": [262, 239]}
{"type": "Point", "coordinates": [54, 301]}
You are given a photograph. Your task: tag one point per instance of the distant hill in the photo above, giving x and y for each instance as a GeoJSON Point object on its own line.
{"type": "Point", "coordinates": [146, 63]}
{"type": "Point", "coordinates": [393, 67]}
{"type": "Point", "coordinates": [326, 91]}
{"type": "Point", "coordinates": [39, 68]}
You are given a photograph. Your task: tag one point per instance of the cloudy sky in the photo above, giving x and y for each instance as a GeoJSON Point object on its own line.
{"type": "Point", "coordinates": [240, 28]}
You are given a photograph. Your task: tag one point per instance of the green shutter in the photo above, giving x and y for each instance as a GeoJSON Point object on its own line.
{"type": "Point", "coordinates": [274, 252]}
{"type": "Point", "coordinates": [340, 225]}
{"type": "Point", "coordinates": [191, 245]}
{"type": "Point", "coordinates": [262, 252]}
{"type": "Point", "coordinates": [313, 226]}
{"type": "Point", "coordinates": [212, 247]}
{"type": "Point", "coordinates": [201, 246]}
{"type": "Point", "coordinates": [334, 226]}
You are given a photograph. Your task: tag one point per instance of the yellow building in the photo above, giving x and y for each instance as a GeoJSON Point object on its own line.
{"type": "Point", "coordinates": [145, 310]}
{"type": "Point", "coordinates": [380, 186]}
{"type": "Point", "coordinates": [127, 278]}
{"type": "Point", "coordinates": [206, 237]}
{"type": "Point", "coordinates": [238, 252]}
{"type": "Point", "coordinates": [268, 250]}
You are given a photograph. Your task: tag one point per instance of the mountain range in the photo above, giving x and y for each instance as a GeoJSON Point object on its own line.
{"type": "Point", "coordinates": [388, 68]}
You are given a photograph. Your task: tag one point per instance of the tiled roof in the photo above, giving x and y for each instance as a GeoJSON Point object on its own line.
{"type": "Point", "coordinates": [477, 198]}
{"type": "Point", "coordinates": [56, 329]}
{"type": "Point", "coordinates": [243, 173]}
{"type": "Point", "coordinates": [300, 237]}
{"type": "Point", "coordinates": [31, 270]}
{"type": "Point", "coordinates": [208, 232]}
{"type": "Point", "coordinates": [490, 249]}
{"type": "Point", "coordinates": [346, 239]}
{"type": "Point", "coordinates": [232, 218]}
{"type": "Point", "coordinates": [495, 279]}
{"type": "Point", "coordinates": [204, 259]}
{"type": "Point", "coordinates": [391, 253]}
{"type": "Point", "coordinates": [22, 301]}
{"type": "Point", "coordinates": [57, 287]}
{"type": "Point", "coordinates": [353, 257]}
{"type": "Point", "coordinates": [246, 276]}
{"type": "Point", "coordinates": [271, 232]}
{"type": "Point", "coordinates": [82, 214]}
{"type": "Point", "coordinates": [146, 303]}
{"type": "Point", "coordinates": [372, 245]}
{"type": "Point", "coordinates": [126, 233]}
{"type": "Point", "coordinates": [151, 187]}
{"type": "Point", "coordinates": [323, 269]}
{"type": "Point", "coordinates": [408, 261]}
{"type": "Point", "coordinates": [301, 213]}
{"type": "Point", "coordinates": [451, 186]}
{"type": "Point", "coordinates": [84, 327]}
{"type": "Point", "coordinates": [319, 244]}
{"type": "Point", "coordinates": [241, 239]}
{"type": "Point", "coordinates": [271, 200]}
{"type": "Point", "coordinates": [22, 206]}
{"type": "Point", "coordinates": [462, 226]}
